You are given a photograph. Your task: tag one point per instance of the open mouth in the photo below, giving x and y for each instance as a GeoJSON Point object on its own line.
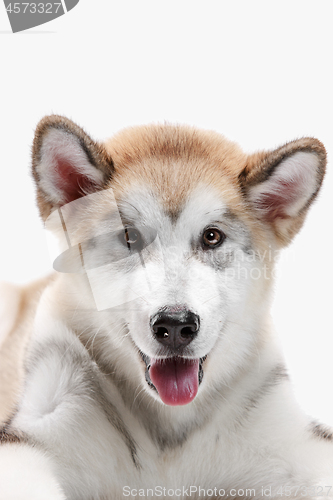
{"type": "Point", "coordinates": [176, 379]}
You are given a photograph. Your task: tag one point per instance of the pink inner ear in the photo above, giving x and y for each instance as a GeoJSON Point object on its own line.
{"type": "Point", "coordinates": [288, 189]}
{"type": "Point", "coordinates": [72, 183]}
{"type": "Point", "coordinates": [275, 203]}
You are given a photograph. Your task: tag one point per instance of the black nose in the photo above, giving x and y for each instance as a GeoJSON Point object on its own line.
{"type": "Point", "coordinates": [175, 329]}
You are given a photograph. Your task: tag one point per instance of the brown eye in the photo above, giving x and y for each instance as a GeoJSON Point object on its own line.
{"type": "Point", "coordinates": [131, 237]}
{"type": "Point", "coordinates": [212, 237]}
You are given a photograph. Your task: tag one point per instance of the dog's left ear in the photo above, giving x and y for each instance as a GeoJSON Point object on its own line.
{"type": "Point", "coordinates": [281, 185]}
{"type": "Point", "coordinates": [66, 163]}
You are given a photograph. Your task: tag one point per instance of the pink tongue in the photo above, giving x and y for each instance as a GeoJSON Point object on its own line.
{"type": "Point", "coordinates": [176, 379]}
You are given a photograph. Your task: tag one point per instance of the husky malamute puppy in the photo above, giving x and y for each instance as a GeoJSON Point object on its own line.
{"type": "Point", "coordinates": [152, 368]}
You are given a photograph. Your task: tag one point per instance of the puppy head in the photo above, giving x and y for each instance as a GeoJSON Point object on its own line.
{"type": "Point", "coordinates": [176, 229]}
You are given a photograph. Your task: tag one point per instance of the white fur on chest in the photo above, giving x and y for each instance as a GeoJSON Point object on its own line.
{"type": "Point", "coordinates": [233, 447]}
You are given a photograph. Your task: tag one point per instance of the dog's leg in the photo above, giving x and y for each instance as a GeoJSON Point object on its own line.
{"type": "Point", "coordinates": [11, 348]}
{"type": "Point", "coordinates": [26, 473]}
{"type": "Point", "coordinates": [10, 298]}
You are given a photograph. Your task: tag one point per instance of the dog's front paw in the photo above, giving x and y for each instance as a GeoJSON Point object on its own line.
{"type": "Point", "coordinates": [26, 474]}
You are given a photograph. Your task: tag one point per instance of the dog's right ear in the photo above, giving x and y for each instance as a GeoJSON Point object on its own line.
{"type": "Point", "coordinates": [66, 163]}
{"type": "Point", "coordinates": [280, 185]}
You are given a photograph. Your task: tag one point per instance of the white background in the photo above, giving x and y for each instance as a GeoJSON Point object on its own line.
{"type": "Point", "coordinates": [259, 72]}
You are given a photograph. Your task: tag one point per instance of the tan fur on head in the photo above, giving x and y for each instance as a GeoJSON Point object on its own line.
{"type": "Point", "coordinates": [173, 160]}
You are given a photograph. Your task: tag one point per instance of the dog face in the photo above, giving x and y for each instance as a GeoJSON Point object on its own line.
{"type": "Point", "coordinates": [176, 231]}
